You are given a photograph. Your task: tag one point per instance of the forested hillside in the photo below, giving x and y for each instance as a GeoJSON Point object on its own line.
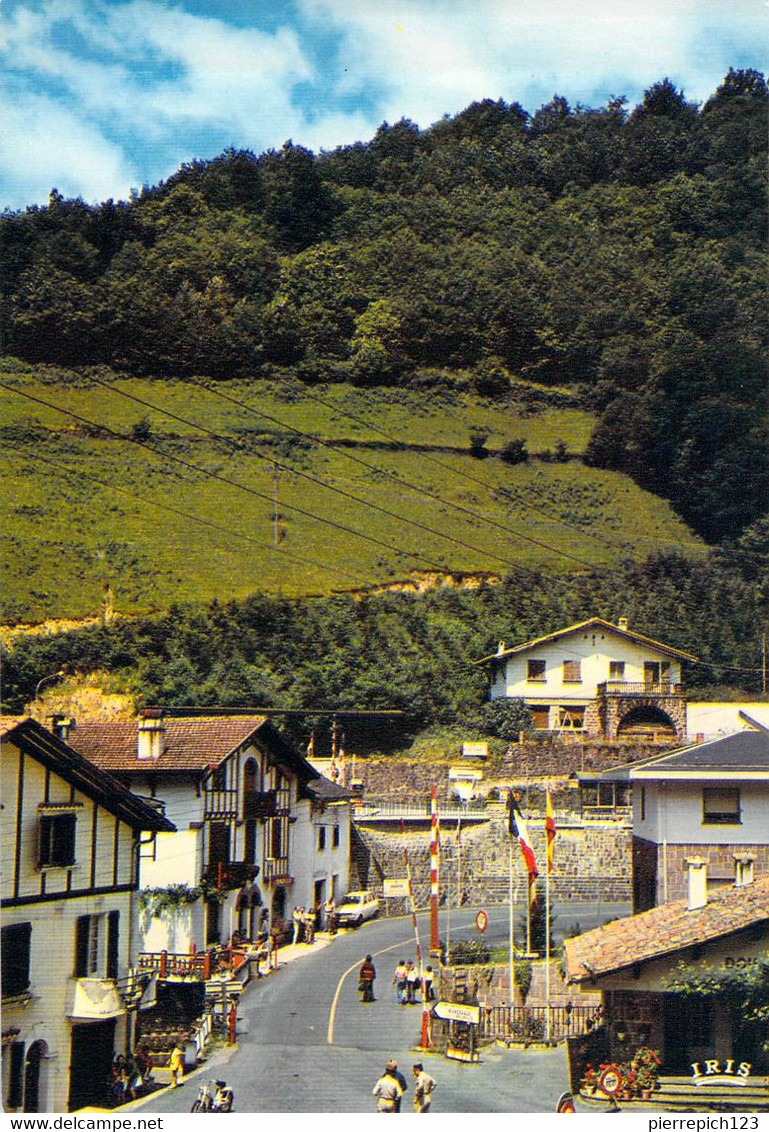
{"type": "Point", "coordinates": [618, 254]}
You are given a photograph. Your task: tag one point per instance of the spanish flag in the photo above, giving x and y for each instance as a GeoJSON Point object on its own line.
{"type": "Point", "coordinates": [549, 828]}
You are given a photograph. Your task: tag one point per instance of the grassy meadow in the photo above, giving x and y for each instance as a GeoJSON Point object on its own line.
{"type": "Point", "coordinates": [85, 507]}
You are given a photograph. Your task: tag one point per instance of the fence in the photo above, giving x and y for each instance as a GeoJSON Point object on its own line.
{"type": "Point", "coordinates": [529, 1023]}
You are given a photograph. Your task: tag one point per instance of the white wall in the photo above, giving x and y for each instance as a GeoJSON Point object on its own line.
{"type": "Point", "coordinates": [712, 720]}
{"type": "Point", "coordinates": [674, 813]}
{"type": "Point", "coordinates": [595, 650]}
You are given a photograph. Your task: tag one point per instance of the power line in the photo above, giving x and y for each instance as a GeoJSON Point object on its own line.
{"type": "Point", "coordinates": [346, 494]}
{"type": "Point", "coordinates": [77, 474]}
{"type": "Point", "coordinates": [231, 483]}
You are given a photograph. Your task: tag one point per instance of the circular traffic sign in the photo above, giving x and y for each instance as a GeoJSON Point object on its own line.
{"type": "Point", "coordinates": [609, 1082]}
{"type": "Point", "coordinates": [481, 921]}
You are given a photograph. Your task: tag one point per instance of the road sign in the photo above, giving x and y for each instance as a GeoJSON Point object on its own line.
{"type": "Point", "coordinates": [609, 1082]}
{"type": "Point", "coordinates": [481, 921]}
{"type": "Point", "coordinates": [458, 1012]}
{"type": "Point", "coordinates": [395, 887]}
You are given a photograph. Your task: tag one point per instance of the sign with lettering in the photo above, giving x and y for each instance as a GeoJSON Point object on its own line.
{"type": "Point", "coordinates": [610, 1081]}
{"type": "Point", "coordinates": [458, 1012]}
{"type": "Point", "coordinates": [395, 887]}
{"type": "Point", "coordinates": [481, 921]}
{"type": "Point", "coordinates": [715, 1072]}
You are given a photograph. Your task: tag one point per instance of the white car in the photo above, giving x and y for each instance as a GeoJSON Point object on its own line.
{"type": "Point", "coordinates": [356, 907]}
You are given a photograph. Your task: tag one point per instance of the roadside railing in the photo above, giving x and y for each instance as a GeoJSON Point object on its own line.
{"type": "Point", "coordinates": [529, 1023]}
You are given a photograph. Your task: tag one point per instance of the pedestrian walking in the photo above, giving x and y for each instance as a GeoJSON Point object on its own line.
{"type": "Point", "coordinates": [412, 979]}
{"type": "Point", "coordinates": [297, 916]}
{"type": "Point", "coordinates": [424, 1085]}
{"type": "Point", "coordinates": [308, 919]}
{"type": "Point", "coordinates": [331, 916]}
{"type": "Point", "coordinates": [399, 982]}
{"type": "Point", "coordinates": [366, 977]}
{"type": "Point", "coordinates": [176, 1066]}
{"type": "Point", "coordinates": [392, 1069]}
{"type": "Point", "coordinates": [388, 1091]}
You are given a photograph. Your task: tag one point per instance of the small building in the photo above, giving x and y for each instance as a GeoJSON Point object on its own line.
{"type": "Point", "coordinates": [600, 679]}
{"type": "Point", "coordinates": [632, 961]}
{"type": "Point", "coordinates": [258, 828]}
{"type": "Point", "coordinates": [70, 871]}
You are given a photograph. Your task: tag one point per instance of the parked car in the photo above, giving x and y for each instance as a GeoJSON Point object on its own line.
{"type": "Point", "coordinates": [356, 907]}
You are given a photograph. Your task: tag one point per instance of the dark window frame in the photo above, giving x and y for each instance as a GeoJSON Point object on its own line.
{"type": "Point", "coordinates": [335, 837]}
{"type": "Point", "coordinates": [58, 841]}
{"type": "Point", "coordinates": [321, 838]}
{"type": "Point", "coordinates": [15, 956]}
{"type": "Point", "coordinates": [536, 671]}
{"type": "Point", "coordinates": [712, 816]}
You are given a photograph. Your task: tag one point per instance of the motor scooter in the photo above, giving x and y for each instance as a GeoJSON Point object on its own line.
{"type": "Point", "coordinates": [214, 1096]}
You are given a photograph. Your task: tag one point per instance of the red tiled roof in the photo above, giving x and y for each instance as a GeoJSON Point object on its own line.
{"type": "Point", "coordinates": [665, 930]}
{"type": "Point", "coordinates": [191, 744]}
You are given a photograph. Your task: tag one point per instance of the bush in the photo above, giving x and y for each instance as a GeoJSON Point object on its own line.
{"type": "Point", "coordinates": [506, 718]}
{"type": "Point", "coordinates": [468, 953]}
{"type": "Point", "coordinates": [478, 447]}
{"type": "Point", "coordinates": [514, 452]}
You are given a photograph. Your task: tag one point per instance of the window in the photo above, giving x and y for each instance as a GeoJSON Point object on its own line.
{"type": "Point", "coordinates": [540, 717]}
{"type": "Point", "coordinates": [15, 945]}
{"type": "Point", "coordinates": [572, 672]}
{"type": "Point", "coordinates": [720, 806]}
{"type": "Point", "coordinates": [535, 671]}
{"type": "Point", "coordinates": [96, 946]}
{"type": "Point", "coordinates": [335, 837]}
{"type": "Point", "coordinates": [643, 803]}
{"type": "Point", "coordinates": [57, 840]}
{"type": "Point", "coordinates": [321, 838]}
{"type": "Point", "coordinates": [573, 717]}
{"type": "Point", "coordinates": [616, 670]}
{"type": "Point", "coordinates": [15, 1094]}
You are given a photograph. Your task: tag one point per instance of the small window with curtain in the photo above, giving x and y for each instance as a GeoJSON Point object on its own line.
{"type": "Point", "coordinates": [572, 672]}
{"type": "Point", "coordinates": [720, 806]}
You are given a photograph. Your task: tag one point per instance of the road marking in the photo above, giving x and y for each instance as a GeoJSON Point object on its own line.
{"type": "Point", "coordinates": [338, 991]}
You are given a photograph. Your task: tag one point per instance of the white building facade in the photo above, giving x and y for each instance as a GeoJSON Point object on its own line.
{"type": "Point", "coordinates": [70, 843]}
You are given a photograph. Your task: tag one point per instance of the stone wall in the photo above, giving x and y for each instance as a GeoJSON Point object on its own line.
{"type": "Point", "coordinates": [720, 867]}
{"type": "Point", "coordinates": [592, 861]}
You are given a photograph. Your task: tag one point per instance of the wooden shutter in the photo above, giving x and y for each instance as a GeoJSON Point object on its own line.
{"type": "Point", "coordinates": [82, 927]}
{"type": "Point", "coordinates": [113, 937]}
{"type": "Point", "coordinates": [14, 1095]}
{"type": "Point", "coordinates": [15, 958]}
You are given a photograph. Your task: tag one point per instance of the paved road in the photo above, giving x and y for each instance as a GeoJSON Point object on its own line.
{"type": "Point", "coordinates": [307, 1043]}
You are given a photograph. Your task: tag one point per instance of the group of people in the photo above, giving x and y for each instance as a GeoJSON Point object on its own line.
{"type": "Point", "coordinates": [307, 921]}
{"type": "Point", "coordinates": [391, 1087]}
{"type": "Point", "coordinates": [131, 1074]}
{"type": "Point", "coordinates": [408, 981]}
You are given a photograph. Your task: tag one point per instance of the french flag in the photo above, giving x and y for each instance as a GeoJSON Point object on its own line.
{"type": "Point", "coordinates": [518, 829]}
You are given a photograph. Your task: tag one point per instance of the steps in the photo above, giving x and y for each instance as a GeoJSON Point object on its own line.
{"type": "Point", "coordinates": [678, 1094]}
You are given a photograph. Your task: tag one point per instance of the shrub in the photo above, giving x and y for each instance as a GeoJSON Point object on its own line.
{"type": "Point", "coordinates": [514, 452]}
{"type": "Point", "coordinates": [478, 447]}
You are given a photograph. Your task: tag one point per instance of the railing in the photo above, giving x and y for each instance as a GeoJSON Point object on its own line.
{"type": "Point", "coordinates": [529, 1023]}
{"type": "Point", "coordinates": [260, 805]}
{"type": "Point", "coordinates": [202, 1034]}
{"type": "Point", "coordinates": [218, 804]}
{"type": "Point", "coordinates": [643, 688]}
{"type": "Point", "coordinates": [276, 868]}
{"type": "Point", "coordinates": [476, 810]}
{"type": "Point", "coordinates": [169, 963]}
{"type": "Point", "coordinates": [230, 874]}
{"type": "Point", "coordinates": [132, 988]}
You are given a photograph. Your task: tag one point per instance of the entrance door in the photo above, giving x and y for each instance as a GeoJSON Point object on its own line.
{"type": "Point", "coordinates": [689, 1032]}
{"type": "Point", "coordinates": [32, 1093]}
{"type": "Point", "coordinates": [93, 1047]}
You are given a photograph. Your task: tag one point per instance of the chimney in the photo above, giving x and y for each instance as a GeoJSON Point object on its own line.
{"type": "Point", "coordinates": [61, 725]}
{"type": "Point", "coordinates": [743, 869]}
{"type": "Point", "coordinates": [150, 737]}
{"type": "Point", "coordinates": [622, 624]}
{"type": "Point", "coordinates": [500, 648]}
{"type": "Point", "coordinates": [697, 882]}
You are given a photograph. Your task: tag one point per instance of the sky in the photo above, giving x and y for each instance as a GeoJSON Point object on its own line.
{"type": "Point", "coordinates": [101, 96]}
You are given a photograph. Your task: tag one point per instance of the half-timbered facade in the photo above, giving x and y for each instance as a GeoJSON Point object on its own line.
{"type": "Point", "coordinates": [70, 843]}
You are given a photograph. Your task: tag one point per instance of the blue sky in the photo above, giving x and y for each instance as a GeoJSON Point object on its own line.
{"type": "Point", "coordinates": [99, 96]}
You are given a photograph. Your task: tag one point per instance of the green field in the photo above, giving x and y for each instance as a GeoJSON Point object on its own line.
{"type": "Point", "coordinates": [83, 508]}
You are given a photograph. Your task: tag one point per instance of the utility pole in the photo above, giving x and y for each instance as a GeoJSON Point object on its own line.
{"type": "Point", "coordinates": [274, 506]}
{"type": "Point", "coordinates": [763, 663]}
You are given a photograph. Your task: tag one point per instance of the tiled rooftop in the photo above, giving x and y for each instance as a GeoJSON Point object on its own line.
{"type": "Point", "coordinates": [664, 930]}
{"type": "Point", "coordinates": [193, 743]}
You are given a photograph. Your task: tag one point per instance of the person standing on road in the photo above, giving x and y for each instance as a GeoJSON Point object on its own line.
{"type": "Point", "coordinates": [366, 977]}
{"type": "Point", "coordinates": [296, 916]}
{"type": "Point", "coordinates": [423, 1088]}
{"type": "Point", "coordinates": [331, 916]}
{"type": "Point", "coordinates": [427, 979]}
{"type": "Point", "coordinates": [412, 978]}
{"type": "Point", "coordinates": [399, 982]}
{"type": "Point", "coordinates": [388, 1091]}
{"type": "Point", "coordinates": [392, 1069]}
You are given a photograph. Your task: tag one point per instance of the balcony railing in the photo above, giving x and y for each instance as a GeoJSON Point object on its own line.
{"type": "Point", "coordinates": [642, 688]}
{"type": "Point", "coordinates": [260, 805]}
{"type": "Point", "coordinates": [219, 805]}
{"type": "Point", "coordinates": [276, 868]}
{"type": "Point", "coordinates": [530, 1023]}
{"type": "Point", "coordinates": [230, 874]}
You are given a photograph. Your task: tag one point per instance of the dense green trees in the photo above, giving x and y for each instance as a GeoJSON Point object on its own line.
{"type": "Point", "coordinates": [620, 252]}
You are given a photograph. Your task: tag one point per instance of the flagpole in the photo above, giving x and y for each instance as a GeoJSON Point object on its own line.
{"type": "Point", "coordinates": [547, 948]}
{"type": "Point", "coordinates": [511, 902]}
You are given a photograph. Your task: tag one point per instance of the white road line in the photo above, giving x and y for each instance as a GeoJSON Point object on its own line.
{"type": "Point", "coordinates": [338, 991]}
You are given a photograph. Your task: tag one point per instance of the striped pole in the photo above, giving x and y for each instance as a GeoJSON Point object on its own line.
{"type": "Point", "coordinates": [435, 942]}
{"type": "Point", "coordinates": [425, 1005]}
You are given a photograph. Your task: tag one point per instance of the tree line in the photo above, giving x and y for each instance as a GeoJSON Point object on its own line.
{"type": "Point", "coordinates": [620, 253]}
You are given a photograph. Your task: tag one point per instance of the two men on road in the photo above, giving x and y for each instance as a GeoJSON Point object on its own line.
{"type": "Point", "coordinates": [391, 1087]}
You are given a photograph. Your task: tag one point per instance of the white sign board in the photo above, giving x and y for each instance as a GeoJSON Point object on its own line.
{"type": "Point", "coordinates": [475, 750]}
{"type": "Point", "coordinates": [458, 1012]}
{"type": "Point", "coordinates": [395, 888]}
